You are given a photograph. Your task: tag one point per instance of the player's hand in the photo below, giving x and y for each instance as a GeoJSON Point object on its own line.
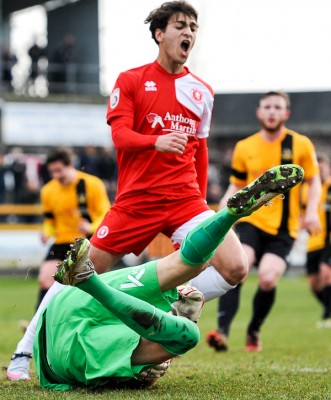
{"type": "Point", "coordinates": [174, 142]}
{"type": "Point", "coordinates": [84, 226]}
{"type": "Point", "coordinates": [154, 373]}
{"type": "Point", "coordinates": [312, 224]}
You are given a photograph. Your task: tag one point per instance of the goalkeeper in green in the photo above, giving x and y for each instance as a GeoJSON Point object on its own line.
{"type": "Point", "coordinates": [116, 326]}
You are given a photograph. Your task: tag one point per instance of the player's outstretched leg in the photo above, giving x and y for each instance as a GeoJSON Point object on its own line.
{"type": "Point", "coordinates": [200, 244]}
{"type": "Point", "coordinates": [176, 335]}
{"type": "Point", "coordinates": [18, 368]}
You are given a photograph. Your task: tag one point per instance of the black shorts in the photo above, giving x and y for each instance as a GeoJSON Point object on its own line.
{"type": "Point", "coordinates": [262, 242]}
{"type": "Point", "coordinates": [315, 258]}
{"type": "Point", "coordinates": [58, 251]}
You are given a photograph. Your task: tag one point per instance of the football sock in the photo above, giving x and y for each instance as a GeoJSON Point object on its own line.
{"type": "Point", "coordinates": [319, 295]}
{"type": "Point", "coordinates": [176, 335]}
{"type": "Point", "coordinates": [25, 345]}
{"type": "Point", "coordinates": [227, 308]}
{"type": "Point", "coordinates": [327, 301]}
{"type": "Point", "coordinates": [211, 283]}
{"type": "Point", "coordinates": [262, 304]}
{"type": "Point", "coordinates": [200, 244]}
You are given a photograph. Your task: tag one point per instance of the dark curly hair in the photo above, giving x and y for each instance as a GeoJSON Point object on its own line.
{"type": "Point", "coordinates": [158, 18]}
{"type": "Point", "coordinates": [63, 155]}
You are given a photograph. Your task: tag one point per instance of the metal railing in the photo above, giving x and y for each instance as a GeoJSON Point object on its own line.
{"type": "Point", "coordinates": [48, 78]}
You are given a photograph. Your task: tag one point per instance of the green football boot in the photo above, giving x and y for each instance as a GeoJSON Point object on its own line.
{"type": "Point", "coordinates": [77, 266]}
{"type": "Point", "coordinates": [270, 184]}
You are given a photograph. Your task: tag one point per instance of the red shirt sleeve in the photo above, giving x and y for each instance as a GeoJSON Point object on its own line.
{"type": "Point", "coordinates": [201, 166]}
{"type": "Point", "coordinates": [126, 139]}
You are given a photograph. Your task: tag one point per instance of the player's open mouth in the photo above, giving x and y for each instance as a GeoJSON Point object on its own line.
{"type": "Point", "coordinates": [185, 45]}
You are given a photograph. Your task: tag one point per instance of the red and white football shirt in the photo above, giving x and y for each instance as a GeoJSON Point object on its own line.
{"type": "Point", "coordinates": [154, 102]}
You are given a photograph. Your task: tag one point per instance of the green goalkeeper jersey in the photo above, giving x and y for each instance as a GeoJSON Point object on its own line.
{"type": "Point", "coordinates": [78, 340]}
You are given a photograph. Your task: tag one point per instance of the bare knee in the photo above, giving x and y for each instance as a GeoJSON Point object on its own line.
{"type": "Point", "coordinates": [233, 267]}
{"type": "Point", "coordinates": [270, 269]}
{"type": "Point", "coordinates": [103, 260]}
{"type": "Point", "coordinates": [238, 270]}
{"type": "Point", "coordinates": [267, 284]}
{"type": "Point", "coordinates": [230, 259]}
{"type": "Point", "coordinates": [268, 279]}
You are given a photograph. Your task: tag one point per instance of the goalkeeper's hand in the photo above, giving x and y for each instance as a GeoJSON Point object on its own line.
{"type": "Point", "coordinates": [150, 375]}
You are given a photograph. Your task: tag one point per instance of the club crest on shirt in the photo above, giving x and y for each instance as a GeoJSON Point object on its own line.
{"type": "Point", "coordinates": [102, 232]}
{"type": "Point", "coordinates": [114, 98]}
{"type": "Point", "coordinates": [197, 95]}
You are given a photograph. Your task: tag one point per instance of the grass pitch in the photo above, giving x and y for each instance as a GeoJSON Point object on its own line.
{"type": "Point", "coordinates": [295, 362]}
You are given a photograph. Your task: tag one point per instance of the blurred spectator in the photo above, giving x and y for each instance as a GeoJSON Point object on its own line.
{"type": "Point", "coordinates": [33, 179]}
{"type": "Point", "coordinates": [17, 168]}
{"type": "Point", "coordinates": [214, 193]}
{"type": "Point", "coordinates": [213, 172]}
{"type": "Point", "coordinates": [61, 66]}
{"type": "Point", "coordinates": [213, 188]}
{"type": "Point", "coordinates": [88, 160]}
{"type": "Point", "coordinates": [226, 169]}
{"type": "Point", "coordinates": [36, 53]}
{"type": "Point", "coordinates": [107, 170]}
{"type": "Point", "coordinates": [8, 60]}
{"type": "Point", "coordinates": [44, 173]}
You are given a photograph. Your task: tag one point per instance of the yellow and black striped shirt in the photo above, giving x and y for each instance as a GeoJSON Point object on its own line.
{"type": "Point", "coordinates": [61, 208]}
{"type": "Point", "coordinates": [254, 155]}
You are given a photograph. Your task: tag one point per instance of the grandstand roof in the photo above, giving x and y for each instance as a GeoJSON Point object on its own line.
{"type": "Point", "coordinates": [10, 6]}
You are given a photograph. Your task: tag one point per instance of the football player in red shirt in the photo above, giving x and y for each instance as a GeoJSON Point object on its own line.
{"type": "Point", "coordinates": [160, 116]}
